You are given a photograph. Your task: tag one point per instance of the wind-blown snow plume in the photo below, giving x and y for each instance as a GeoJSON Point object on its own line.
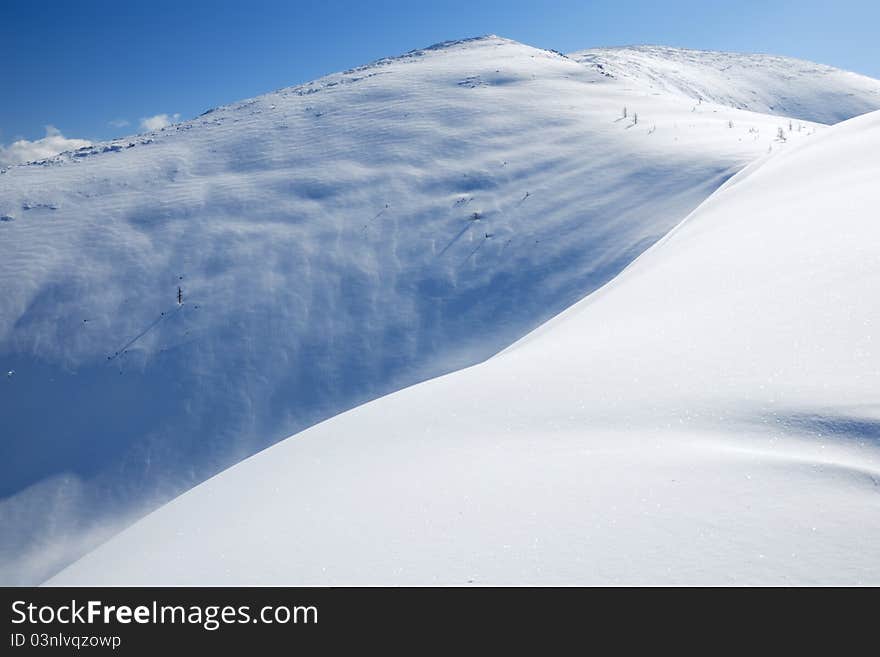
{"type": "Point", "coordinates": [708, 417]}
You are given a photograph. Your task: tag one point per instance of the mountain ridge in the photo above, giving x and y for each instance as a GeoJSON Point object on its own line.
{"type": "Point", "coordinates": [773, 84]}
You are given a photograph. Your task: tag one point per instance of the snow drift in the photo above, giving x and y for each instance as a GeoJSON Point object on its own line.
{"type": "Point", "coordinates": [710, 416]}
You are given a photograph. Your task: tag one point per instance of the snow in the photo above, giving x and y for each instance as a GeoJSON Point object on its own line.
{"type": "Point", "coordinates": [708, 417]}
{"type": "Point", "coordinates": [762, 83]}
{"type": "Point", "coordinates": [334, 242]}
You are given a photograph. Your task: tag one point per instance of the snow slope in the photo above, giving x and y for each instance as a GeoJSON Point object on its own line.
{"type": "Point", "coordinates": [334, 242]}
{"type": "Point", "coordinates": [761, 83]}
{"type": "Point", "coordinates": [710, 416]}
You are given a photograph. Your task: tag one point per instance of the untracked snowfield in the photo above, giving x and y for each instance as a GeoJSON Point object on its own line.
{"type": "Point", "coordinates": [708, 417]}
{"type": "Point", "coordinates": [336, 242]}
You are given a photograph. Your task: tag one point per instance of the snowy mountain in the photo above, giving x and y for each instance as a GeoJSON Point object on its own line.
{"type": "Point", "coordinates": [332, 242]}
{"type": "Point", "coordinates": [760, 83]}
{"type": "Point", "coordinates": [710, 416]}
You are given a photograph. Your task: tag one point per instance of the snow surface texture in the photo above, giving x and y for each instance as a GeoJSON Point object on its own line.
{"type": "Point", "coordinates": [334, 242]}
{"type": "Point", "coordinates": [708, 417]}
{"type": "Point", "coordinates": [761, 83]}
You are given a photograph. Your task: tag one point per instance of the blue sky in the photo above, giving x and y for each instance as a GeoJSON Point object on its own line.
{"type": "Point", "coordinates": [95, 69]}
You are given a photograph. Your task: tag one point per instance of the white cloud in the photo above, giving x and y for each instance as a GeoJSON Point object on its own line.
{"type": "Point", "coordinates": [159, 121]}
{"type": "Point", "coordinates": [21, 151]}
{"type": "Point", "coordinates": [119, 123]}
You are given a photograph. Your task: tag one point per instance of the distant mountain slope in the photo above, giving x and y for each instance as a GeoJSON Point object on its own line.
{"type": "Point", "coordinates": [710, 416]}
{"type": "Point", "coordinates": [333, 242]}
{"type": "Point", "coordinates": [760, 83]}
